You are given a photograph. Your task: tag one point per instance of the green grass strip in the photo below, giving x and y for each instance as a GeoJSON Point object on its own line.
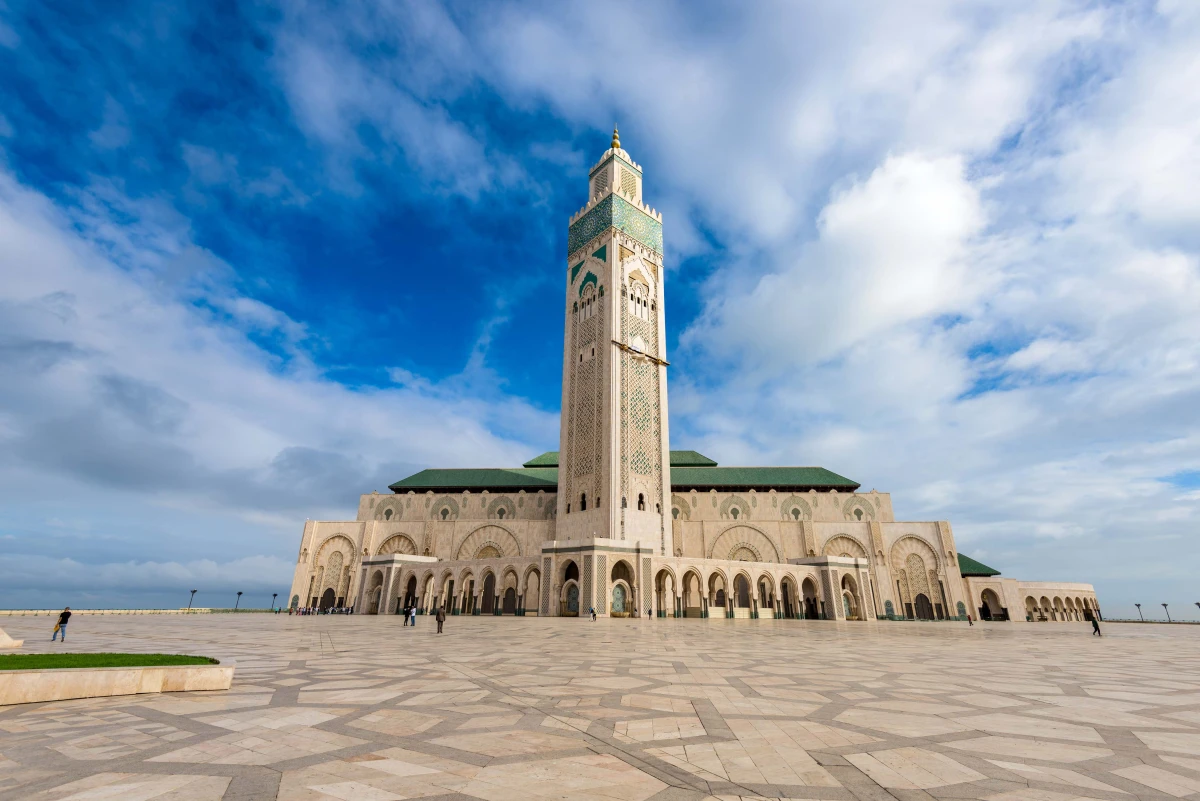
{"type": "Point", "coordinates": [54, 661]}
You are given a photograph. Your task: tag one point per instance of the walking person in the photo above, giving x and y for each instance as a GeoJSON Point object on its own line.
{"type": "Point", "coordinates": [61, 626]}
{"type": "Point", "coordinates": [440, 617]}
{"type": "Point", "coordinates": [1096, 627]}
{"type": "Point", "coordinates": [412, 615]}
{"type": "Point", "coordinates": [592, 612]}
{"type": "Point", "coordinates": [406, 614]}
{"type": "Point", "coordinates": [969, 621]}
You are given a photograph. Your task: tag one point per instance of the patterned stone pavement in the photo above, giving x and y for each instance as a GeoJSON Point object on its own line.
{"type": "Point", "coordinates": [520, 708]}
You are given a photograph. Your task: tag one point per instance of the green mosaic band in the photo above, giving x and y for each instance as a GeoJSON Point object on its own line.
{"type": "Point", "coordinates": [616, 212]}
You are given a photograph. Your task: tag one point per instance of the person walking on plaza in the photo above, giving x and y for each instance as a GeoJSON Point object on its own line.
{"type": "Point", "coordinates": [412, 615]}
{"type": "Point", "coordinates": [61, 626]}
{"type": "Point", "coordinates": [592, 612]}
{"type": "Point", "coordinates": [1096, 627]}
{"type": "Point", "coordinates": [440, 617]}
{"type": "Point", "coordinates": [406, 614]}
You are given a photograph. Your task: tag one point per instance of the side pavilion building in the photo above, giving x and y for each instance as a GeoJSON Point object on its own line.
{"type": "Point", "coordinates": [617, 522]}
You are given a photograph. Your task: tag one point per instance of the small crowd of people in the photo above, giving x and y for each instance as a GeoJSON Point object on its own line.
{"type": "Point", "coordinates": [315, 610]}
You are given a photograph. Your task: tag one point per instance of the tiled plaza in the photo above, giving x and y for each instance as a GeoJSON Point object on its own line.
{"type": "Point", "coordinates": [363, 709]}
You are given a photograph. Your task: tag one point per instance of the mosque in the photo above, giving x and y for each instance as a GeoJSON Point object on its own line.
{"type": "Point", "coordinates": [618, 522]}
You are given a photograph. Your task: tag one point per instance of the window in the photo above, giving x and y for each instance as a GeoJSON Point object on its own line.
{"type": "Point", "coordinates": [734, 512]}
{"type": "Point", "coordinates": [568, 508]}
{"type": "Point", "coordinates": [658, 508]}
{"type": "Point", "coordinates": [500, 513]}
{"type": "Point", "coordinates": [445, 513]}
{"type": "Point", "coordinates": [387, 514]}
{"type": "Point", "coordinates": [796, 513]}
{"type": "Point", "coordinates": [858, 513]}
{"type": "Point", "coordinates": [624, 502]}
{"type": "Point", "coordinates": [583, 502]}
{"type": "Point", "coordinates": [675, 512]}
{"type": "Point", "coordinates": [641, 502]}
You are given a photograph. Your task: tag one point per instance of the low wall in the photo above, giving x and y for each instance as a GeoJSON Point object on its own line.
{"type": "Point", "coordinates": [193, 611]}
{"type": "Point", "coordinates": [31, 686]}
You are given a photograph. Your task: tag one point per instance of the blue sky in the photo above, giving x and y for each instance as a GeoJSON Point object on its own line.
{"type": "Point", "coordinates": [260, 258]}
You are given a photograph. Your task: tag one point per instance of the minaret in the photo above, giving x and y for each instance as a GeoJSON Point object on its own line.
{"type": "Point", "coordinates": [614, 459]}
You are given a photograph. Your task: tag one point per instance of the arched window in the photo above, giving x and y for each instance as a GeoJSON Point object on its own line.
{"type": "Point", "coordinates": [795, 512]}
{"type": "Point", "coordinates": [658, 508]}
{"type": "Point", "coordinates": [675, 512]}
{"type": "Point", "coordinates": [500, 513]}
{"type": "Point", "coordinates": [387, 514]}
{"type": "Point", "coordinates": [583, 502]}
{"type": "Point", "coordinates": [641, 502]}
{"type": "Point", "coordinates": [858, 513]}
{"type": "Point", "coordinates": [445, 513]}
{"type": "Point", "coordinates": [568, 508]}
{"type": "Point", "coordinates": [734, 512]}
{"type": "Point", "coordinates": [624, 502]}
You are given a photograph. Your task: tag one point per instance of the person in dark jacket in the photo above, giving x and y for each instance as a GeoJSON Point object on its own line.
{"type": "Point", "coordinates": [440, 618]}
{"type": "Point", "coordinates": [1096, 628]}
{"type": "Point", "coordinates": [61, 626]}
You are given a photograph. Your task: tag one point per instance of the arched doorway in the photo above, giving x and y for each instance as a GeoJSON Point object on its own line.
{"type": "Point", "coordinates": [717, 595]}
{"type": "Point", "coordinates": [787, 592]}
{"type": "Point", "coordinates": [923, 607]}
{"type": "Point", "coordinates": [619, 594]}
{"type": "Point", "coordinates": [510, 601]}
{"type": "Point", "coordinates": [693, 604]}
{"type": "Point", "coordinates": [741, 594]}
{"type": "Point", "coordinates": [410, 593]}
{"type": "Point", "coordinates": [990, 608]}
{"type": "Point", "coordinates": [811, 610]}
{"type": "Point", "coordinates": [328, 598]}
{"type": "Point", "coordinates": [664, 594]}
{"type": "Point", "coordinates": [489, 594]}
{"type": "Point", "coordinates": [295, 602]}
{"type": "Point", "coordinates": [569, 600]}
{"type": "Point", "coordinates": [850, 598]}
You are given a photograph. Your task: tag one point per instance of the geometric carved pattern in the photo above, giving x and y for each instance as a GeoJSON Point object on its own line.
{"type": "Point", "coordinates": [397, 544]}
{"type": "Point", "coordinates": [844, 545]}
{"type": "Point", "coordinates": [500, 541]}
{"type": "Point", "coordinates": [752, 540]}
{"type": "Point", "coordinates": [615, 212]}
{"type": "Point", "coordinates": [795, 508]}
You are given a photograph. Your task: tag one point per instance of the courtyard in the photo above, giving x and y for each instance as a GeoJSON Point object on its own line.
{"type": "Point", "coordinates": [507, 708]}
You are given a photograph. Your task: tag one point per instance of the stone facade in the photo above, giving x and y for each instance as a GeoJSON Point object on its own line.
{"type": "Point", "coordinates": [617, 522]}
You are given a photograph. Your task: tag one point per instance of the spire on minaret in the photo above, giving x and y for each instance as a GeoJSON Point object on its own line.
{"type": "Point", "coordinates": [616, 142]}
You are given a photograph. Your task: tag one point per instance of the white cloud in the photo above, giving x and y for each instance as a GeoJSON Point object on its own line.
{"type": "Point", "coordinates": [117, 379]}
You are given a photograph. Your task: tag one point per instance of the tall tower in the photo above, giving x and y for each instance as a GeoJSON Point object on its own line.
{"type": "Point", "coordinates": [614, 458]}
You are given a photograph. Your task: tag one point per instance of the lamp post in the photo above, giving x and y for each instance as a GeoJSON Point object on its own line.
{"type": "Point", "coordinates": [274, 595]}
{"type": "Point", "coordinates": [239, 600]}
{"type": "Point", "coordinates": [193, 595]}
{"type": "Point", "coordinates": [1168, 613]}
{"type": "Point", "coordinates": [1139, 606]}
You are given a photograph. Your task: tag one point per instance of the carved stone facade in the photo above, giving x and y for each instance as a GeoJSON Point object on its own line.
{"type": "Point", "coordinates": [617, 522]}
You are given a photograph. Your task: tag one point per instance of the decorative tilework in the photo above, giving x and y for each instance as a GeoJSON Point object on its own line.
{"type": "Point", "coordinates": [616, 212]}
{"type": "Point", "coordinates": [590, 278]}
{"type": "Point", "coordinates": [575, 271]}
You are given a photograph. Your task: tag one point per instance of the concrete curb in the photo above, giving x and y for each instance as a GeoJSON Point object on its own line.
{"type": "Point", "coordinates": [32, 686]}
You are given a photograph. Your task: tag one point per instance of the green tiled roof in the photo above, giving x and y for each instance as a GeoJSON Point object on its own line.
{"type": "Point", "coordinates": [969, 567]}
{"type": "Point", "coordinates": [759, 478]}
{"type": "Point", "coordinates": [496, 479]}
{"type": "Point", "coordinates": [678, 459]}
{"type": "Point", "coordinates": [689, 470]}
{"type": "Point", "coordinates": [547, 459]}
{"type": "Point", "coordinates": [690, 459]}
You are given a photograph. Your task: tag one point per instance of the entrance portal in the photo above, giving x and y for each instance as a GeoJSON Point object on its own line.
{"type": "Point", "coordinates": [328, 598]}
{"type": "Point", "coordinates": [924, 607]}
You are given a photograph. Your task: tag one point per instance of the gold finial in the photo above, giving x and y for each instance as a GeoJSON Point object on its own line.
{"type": "Point", "coordinates": [616, 142]}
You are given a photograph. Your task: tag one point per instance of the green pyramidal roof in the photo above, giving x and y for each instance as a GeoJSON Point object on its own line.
{"type": "Point", "coordinates": [969, 567]}
{"type": "Point", "coordinates": [678, 459]}
{"type": "Point", "coordinates": [689, 471]}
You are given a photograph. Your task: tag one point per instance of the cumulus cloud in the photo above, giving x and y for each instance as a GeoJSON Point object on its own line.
{"type": "Point", "coordinates": [157, 391]}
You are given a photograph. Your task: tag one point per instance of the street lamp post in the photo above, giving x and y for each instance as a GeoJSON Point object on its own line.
{"type": "Point", "coordinates": [274, 595]}
{"type": "Point", "coordinates": [239, 600]}
{"type": "Point", "coordinates": [193, 595]}
{"type": "Point", "coordinates": [1168, 613]}
{"type": "Point", "coordinates": [1139, 606]}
